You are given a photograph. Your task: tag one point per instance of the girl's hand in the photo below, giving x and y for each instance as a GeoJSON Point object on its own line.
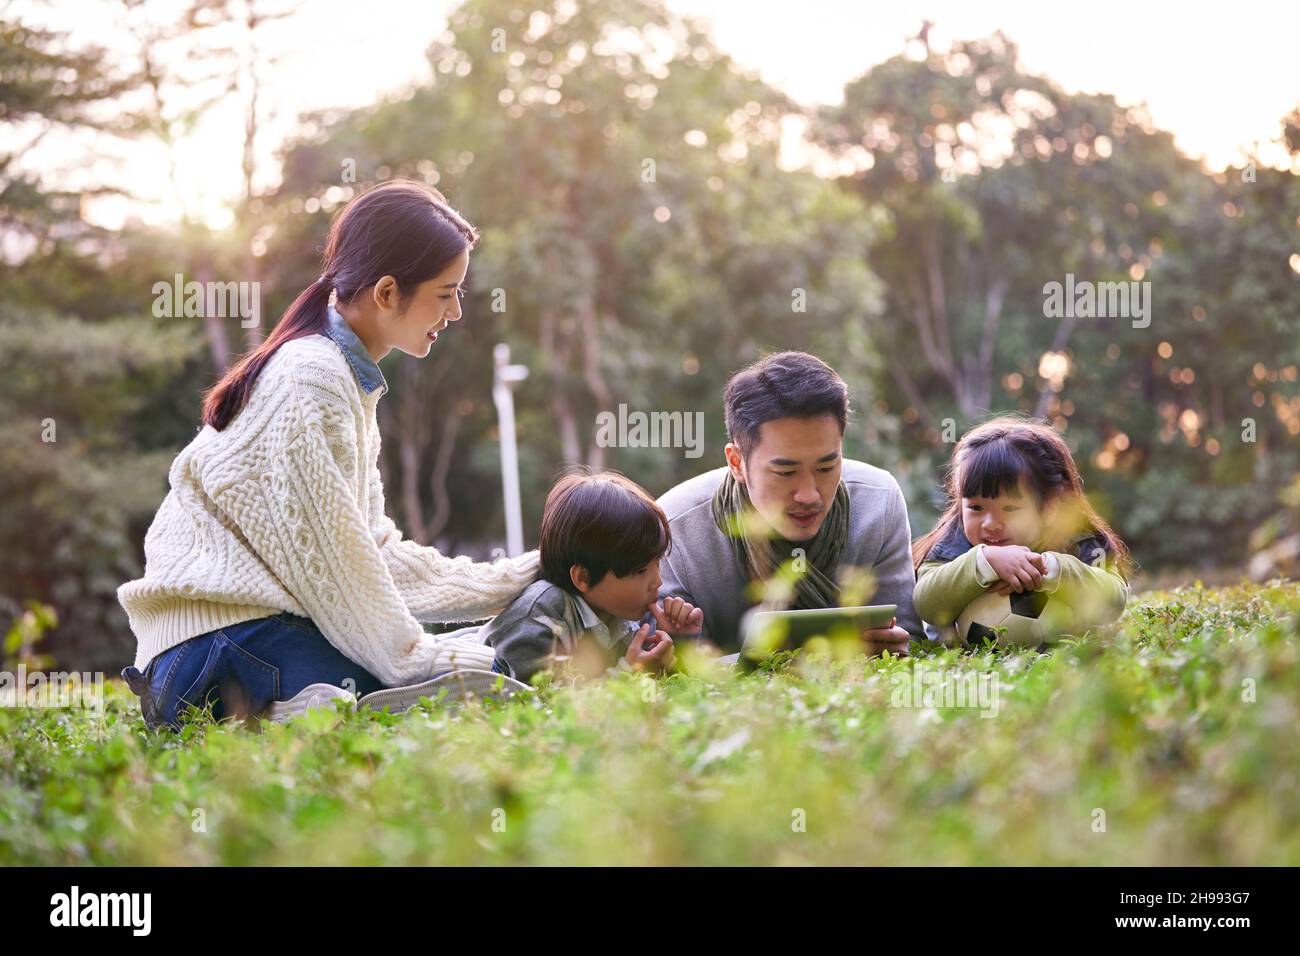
{"type": "Point", "coordinates": [677, 616]}
{"type": "Point", "coordinates": [1003, 588]}
{"type": "Point", "coordinates": [650, 651]}
{"type": "Point", "coordinates": [1019, 568]}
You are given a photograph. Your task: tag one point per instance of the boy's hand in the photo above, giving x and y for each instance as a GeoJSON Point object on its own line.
{"type": "Point", "coordinates": [1019, 568]}
{"type": "Point", "coordinates": [650, 651]}
{"type": "Point", "coordinates": [677, 616]}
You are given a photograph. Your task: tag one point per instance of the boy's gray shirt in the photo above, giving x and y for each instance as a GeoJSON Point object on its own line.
{"type": "Point", "coordinates": [545, 620]}
{"type": "Point", "coordinates": [704, 570]}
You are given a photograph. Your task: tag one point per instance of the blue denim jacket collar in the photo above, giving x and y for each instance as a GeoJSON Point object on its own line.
{"type": "Point", "coordinates": [952, 544]}
{"type": "Point", "coordinates": [369, 377]}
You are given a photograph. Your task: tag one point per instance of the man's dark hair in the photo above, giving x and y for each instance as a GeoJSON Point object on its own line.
{"type": "Point", "coordinates": [602, 522]}
{"type": "Point", "coordinates": [783, 385]}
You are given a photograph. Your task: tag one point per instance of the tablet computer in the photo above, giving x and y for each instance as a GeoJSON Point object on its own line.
{"type": "Point", "coordinates": [763, 633]}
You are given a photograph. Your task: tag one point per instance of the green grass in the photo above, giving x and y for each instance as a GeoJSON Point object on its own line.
{"type": "Point", "coordinates": [1145, 722]}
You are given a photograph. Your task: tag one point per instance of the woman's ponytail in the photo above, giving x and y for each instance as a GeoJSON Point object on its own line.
{"type": "Point", "coordinates": [306, 316]}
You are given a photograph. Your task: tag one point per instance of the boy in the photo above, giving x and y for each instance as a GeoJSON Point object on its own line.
{"type": "Point", "coordinates": [594, 607]}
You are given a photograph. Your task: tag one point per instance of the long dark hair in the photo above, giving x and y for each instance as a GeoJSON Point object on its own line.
{"type": "Point", "coordinates": [994, 457]}
{"type": "Point", "coordinates": [400, 228]}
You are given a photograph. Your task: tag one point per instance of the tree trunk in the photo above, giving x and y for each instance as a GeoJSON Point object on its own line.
{"type": "Point", "coordinates": [214, 326]}
{"type": "Point", "coordinates": [409, 452]}
{"type": "Point", "coordinates": [589, 329]}
{"type": "Point", "coordinates": [438, 478]}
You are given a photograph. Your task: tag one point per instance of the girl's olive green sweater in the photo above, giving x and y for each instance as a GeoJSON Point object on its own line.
{"type": "Point", "coordinates": [954, 573]}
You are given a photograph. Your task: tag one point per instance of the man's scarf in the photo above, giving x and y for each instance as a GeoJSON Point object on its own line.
{"type": "Point", "coordinates": [762, 555]}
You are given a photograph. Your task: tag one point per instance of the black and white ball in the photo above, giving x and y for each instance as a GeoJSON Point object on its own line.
{"type": "Point", "coordinates": [1009, 620]}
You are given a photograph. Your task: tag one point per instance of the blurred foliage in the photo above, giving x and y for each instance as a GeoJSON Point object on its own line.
{"type": "Point", "coordinates": [1276, 542]}
{"type": "Point", "coordinates": [641, 241]}
{"type": "Point", "coordinates": [28, 629]}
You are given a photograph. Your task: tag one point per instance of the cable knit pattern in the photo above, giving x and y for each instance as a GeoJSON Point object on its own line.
{"type": "Point", "coordinates": [284, 511]}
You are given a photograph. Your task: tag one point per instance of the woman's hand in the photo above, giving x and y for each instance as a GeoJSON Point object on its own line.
{"type": "Point", "coordinates": [650, 651]}
{"type": "Point", "coordinates": [1018, 568]}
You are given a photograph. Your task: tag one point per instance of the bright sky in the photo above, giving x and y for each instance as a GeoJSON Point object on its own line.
{"type": "Point", "coordinates": [1219, 79]}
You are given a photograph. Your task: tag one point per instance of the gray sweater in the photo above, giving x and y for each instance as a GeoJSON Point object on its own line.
{"type": "Point", "coordinates": [546, 623]}
{"type": "Point", "coordinates": [703, 569]}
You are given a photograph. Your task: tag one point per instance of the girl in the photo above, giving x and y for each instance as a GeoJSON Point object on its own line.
{"type": "Point", "coordinates": [273, 578]}
{"type": "Point", "coordinates": [1017, 520]}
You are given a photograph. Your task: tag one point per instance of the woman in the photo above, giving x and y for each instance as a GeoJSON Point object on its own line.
{"type": "Point", "coordinates": [271, 568]}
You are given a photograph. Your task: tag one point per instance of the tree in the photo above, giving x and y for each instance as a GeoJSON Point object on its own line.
{"type": "Point", "coordinates": [640, 241]}
{"type": "Point", "coordinates": [85, 426]}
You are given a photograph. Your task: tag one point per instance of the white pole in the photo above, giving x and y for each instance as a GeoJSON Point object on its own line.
{"type": "Point", "coordinates": [504, 380]}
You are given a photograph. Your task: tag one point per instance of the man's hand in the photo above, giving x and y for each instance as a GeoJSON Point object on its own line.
{"type": "Point", "coordinates": [880, 639]}
{"type": "Point", "coordinates": [1018, 568]}
{"type": "Point", "coordinates": [677, 616]}
{"type": "Point", "coordinates": [650, 651]}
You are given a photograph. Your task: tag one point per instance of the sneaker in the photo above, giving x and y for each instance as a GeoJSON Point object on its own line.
{"type": "Point", "coordinates": [309, 698]}
{"type": "Point", "coordinates": [458, 686]}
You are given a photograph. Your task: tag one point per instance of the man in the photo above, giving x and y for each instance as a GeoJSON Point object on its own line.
{"type": "Point", "coordinates": [787, 483]}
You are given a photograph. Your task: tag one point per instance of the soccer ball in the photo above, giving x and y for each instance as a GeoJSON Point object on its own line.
{"type": "Point", "coordinates": [1024, 619]}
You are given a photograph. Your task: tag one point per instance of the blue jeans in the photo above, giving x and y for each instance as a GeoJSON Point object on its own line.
{"type": "Point", "coordinates": [241, 669]}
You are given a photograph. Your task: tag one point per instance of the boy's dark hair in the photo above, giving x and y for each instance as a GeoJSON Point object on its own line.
{"type": "Point", "coordinates": [782, 385]}
{"type": "Point", "coordinates": [602, 522]}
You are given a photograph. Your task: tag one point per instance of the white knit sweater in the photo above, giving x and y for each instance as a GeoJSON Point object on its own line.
{"type": "Point", "coordinates": [283, 510]}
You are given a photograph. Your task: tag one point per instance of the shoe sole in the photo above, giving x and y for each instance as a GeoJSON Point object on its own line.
{"type": "Point", "coordinates": [455, 686]}
{"type": "Point", "coordinates": [309, 698]}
